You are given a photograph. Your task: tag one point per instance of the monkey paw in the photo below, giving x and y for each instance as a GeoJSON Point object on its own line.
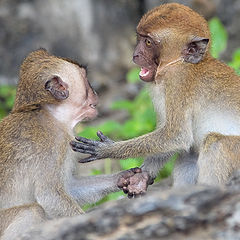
{"type": "Point", "coordinates": [92, 147]}
{"type": "Point", "coordinates": [135, 182]}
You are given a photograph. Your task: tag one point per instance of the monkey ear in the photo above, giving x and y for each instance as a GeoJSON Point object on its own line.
{"type": "Point", "coordinates": [194, 51]}
{"type": "Point", "coordinates": [57, 87]}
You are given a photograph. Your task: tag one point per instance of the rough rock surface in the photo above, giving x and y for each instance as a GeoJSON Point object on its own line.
{"type": "Point", "coordinates": [194, 212]}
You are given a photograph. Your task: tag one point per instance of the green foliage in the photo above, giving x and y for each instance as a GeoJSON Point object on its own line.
{"type": "Point", "coordinates": [235, 62]}
{"type": "Point", "coordinates": [219, 37]}
{"type": "Point", "coordinates": [219, 43]}
{"type": "Point", "coordinates": [7, 96]}
{"type": "Point", "coordinates": [132, 75]}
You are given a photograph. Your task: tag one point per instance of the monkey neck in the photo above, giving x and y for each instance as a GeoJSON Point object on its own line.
{"type": "Point", "coordinates": [27, 108]}
{"type": "Point", "coordinates": [164, 66]}
{"type": "Point", "coordinates": [180, 59]}
{"type": "Point", "coordinates": [183, 67]}
{"type": "Point", "coordinates": [61, 114]}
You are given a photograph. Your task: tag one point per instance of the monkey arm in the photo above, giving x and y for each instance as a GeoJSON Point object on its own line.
{"type": "Point", "coordinates": [163, 140]}
{"type": "Point", "coordinates": [93, 188]}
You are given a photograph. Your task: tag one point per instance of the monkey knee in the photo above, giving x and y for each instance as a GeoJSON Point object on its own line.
{"type": "Point", "coordinates": [212, 141]}
{"type": "Point", "coordinates": [31, 212]}
{"type": "Point", "coordinates": [37, 211]}
{"type": "Point", "coordinates": [19, 218]}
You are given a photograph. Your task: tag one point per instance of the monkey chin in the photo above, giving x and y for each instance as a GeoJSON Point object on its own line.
{"type": "Point", "coordinates": [89, 116]}
{"type": "Point", "coordinates": [147, 75]}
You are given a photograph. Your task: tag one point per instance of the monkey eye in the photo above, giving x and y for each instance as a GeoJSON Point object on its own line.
{"type": "Point", "coordinates": [148, 42]}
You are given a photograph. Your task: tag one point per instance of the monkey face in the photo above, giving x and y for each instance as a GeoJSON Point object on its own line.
{"type": "Point", "coordinates": [169, 34]}
{"type": "Point", "coordinates": [146, 55]}
{"type": "Point", "coordinates": [82, 99]}
{"type": "Point", "coordinates": [88, 109]}
{"type": "Point", "coordinates": [76, 99]}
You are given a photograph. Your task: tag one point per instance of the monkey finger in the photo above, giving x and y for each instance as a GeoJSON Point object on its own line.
{"type": "Point", "coordinates": [130, 195]}
{"type": "Point", "coordinates": [126, 182]}
{"type": "Point", "coordinates": [88, 159]}
{"type": "Point", "coordinates": [122, 182]}
{"type": "Point", "coordinates": [103, 138]}
{"type": "Point", "coordinates": [82, 151]}
{"type": "Point", "coordinates": [150, 181]}
{"type": "Point", "coordinates": [79, 145]}
{"type": "Point", "coordinates": [76, 149]}
{"type": "Point", "coordinates": [128, 173]}
{"type": "Point", "coordinates": [136, 170]}
{"type": "Point", "coordinates": [87, 141]}
{"type": "Point", "coordinates": [125, 190]}
{"type": "Point", "coordinates": [119, 185]}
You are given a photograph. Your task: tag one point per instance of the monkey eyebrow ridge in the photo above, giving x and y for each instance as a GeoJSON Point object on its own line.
{"type": "Point", "coordinates": [141, 35]}
{"type": "Point", "coordinates": [84, 66]}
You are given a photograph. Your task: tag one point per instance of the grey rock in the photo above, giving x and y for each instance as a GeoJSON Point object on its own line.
{"type": "Point", "coordinates": [193, 212]}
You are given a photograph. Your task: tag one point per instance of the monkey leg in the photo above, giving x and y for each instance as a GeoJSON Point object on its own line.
{"type": "Point", "coordinates": [185, 169]}
{"type": "Point", "coordinates": [153, 164]}
{"type": "Point", "coordinates": [218, 158]}
{"type": "Point", "coordinates": [57, 202]}
{"type": "Point", "coordinates": [16, 220]}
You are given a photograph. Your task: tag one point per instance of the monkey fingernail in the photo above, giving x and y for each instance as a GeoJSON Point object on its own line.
{"type": "Point", "coordinates": [125, 190]}
{"type": "Point", "coordinates": [86, 160]}
{"type": "Point", "coordinates": [137, 170]}
{"type": "Point", "coordinates": [130, 195]}
{"type": "Point", "coordinates": [85, 140]}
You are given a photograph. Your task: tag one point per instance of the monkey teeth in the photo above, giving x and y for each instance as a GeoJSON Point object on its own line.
{"type": "Point", "coordinates": [144, 72]}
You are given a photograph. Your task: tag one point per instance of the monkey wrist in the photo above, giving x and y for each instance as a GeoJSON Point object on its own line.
{"type": "Point", "coordinates": [151, 176]}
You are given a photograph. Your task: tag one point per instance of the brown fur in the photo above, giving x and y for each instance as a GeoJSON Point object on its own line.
{"type": "Point", "coordinates": [175, 16]}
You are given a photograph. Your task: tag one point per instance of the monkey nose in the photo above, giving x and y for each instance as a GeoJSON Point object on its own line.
{"type": "Point", "coordinates": [135, 56]}
{"type": "Point", "coordinates": [93, 105]}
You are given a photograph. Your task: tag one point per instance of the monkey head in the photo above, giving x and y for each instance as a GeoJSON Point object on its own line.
{"type": "Point", "coordinates": [58, 84]}
{"type": "Point", "coordinates": [167, 34]}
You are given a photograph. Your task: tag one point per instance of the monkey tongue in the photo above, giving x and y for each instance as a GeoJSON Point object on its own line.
{"type": "Point", "coordinates": [146, 74]}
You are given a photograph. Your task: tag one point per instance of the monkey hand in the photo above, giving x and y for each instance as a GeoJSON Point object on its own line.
{"type": "Point", "coordinates": [135, 182]}
{"type": "Point", "coordinates": [92, 147]}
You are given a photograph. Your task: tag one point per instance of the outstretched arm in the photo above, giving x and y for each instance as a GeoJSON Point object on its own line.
{"type": "Point", "coordinates": [93, 188]}
{"type": "Point", "coordinates": [161, 141]}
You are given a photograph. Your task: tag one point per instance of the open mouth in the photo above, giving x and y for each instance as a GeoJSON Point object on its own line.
{"type": "Point", "coordinates": [146, 74]}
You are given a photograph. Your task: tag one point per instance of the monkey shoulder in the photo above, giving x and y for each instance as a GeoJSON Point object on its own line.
{"type": "Point", "coordinates": [32, 131]}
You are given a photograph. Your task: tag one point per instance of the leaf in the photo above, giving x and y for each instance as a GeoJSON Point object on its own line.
{"type": "Point", "coordinates": [96, 172]}
{"type": "Point", "coordinates": [109, 128]}
{"type": "Point", "coordinates": [133, 75]}
{"type": "Point", "coordinates": [219, 37]}
{"type": "Point", "coordinates": [235, 63]}
{"type": "Point", "coordinates": [130, 163]}
{"type": "Point", "coordinates": [122, 104]}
